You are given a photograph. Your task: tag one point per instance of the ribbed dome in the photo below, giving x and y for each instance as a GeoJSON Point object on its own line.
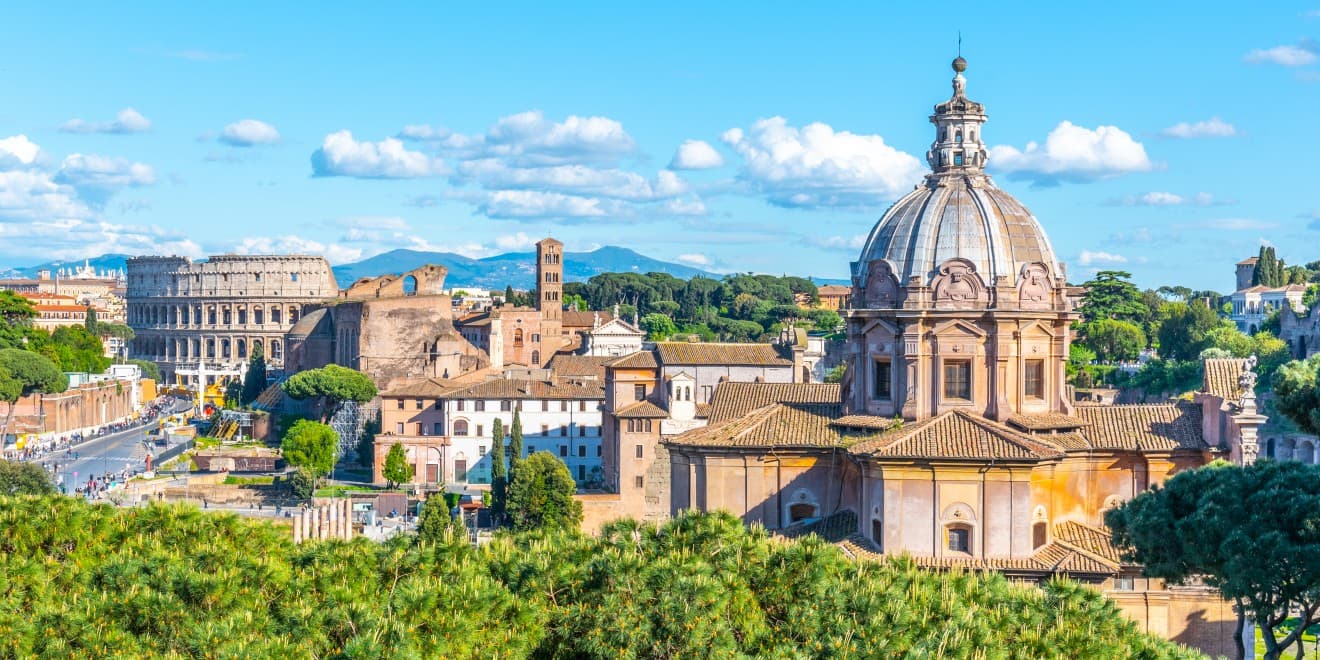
{"type": "Point", "coordinates": [951, 217]}
{"type": "Point", "coordinates": [957, 213]}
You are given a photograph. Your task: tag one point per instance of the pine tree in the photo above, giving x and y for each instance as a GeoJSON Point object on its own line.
{"type": "Point", "coordinates": [515, 445]}
{"type": "Point", "coordinates": [397, 468]}
{"type": "Point", "coordinates": [499, 471]}
{"type": "Point", "coordinates": [255, 380]}
{"type": "Point", "coordinates": [508, 295]}
{"type": "Point", "coordinates": [91, 320]}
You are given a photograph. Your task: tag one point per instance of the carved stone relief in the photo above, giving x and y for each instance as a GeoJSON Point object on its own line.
{"type": "Point", "coordinates": [958, 286]}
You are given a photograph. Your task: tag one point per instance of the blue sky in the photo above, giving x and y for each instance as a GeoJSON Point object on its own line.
{"type": "Point", "coordinates": [1171, 139]}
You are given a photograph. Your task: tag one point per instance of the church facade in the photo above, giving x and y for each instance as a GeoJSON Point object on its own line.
{"type": "Point", "coordinates": [954, 437]}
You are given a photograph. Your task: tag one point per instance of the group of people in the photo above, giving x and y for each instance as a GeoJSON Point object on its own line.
{"type": "Point", "coordinates": [98, 485]}
{"type": "Point", "coordinates": [41, 448]}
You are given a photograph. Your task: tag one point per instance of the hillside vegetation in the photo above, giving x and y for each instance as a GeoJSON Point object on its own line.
{"type": "Point", "coordinates": [95, 581]}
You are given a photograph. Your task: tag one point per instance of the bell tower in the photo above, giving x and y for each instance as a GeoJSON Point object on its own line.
{"type": "Point", "coordinates": [549, 279]}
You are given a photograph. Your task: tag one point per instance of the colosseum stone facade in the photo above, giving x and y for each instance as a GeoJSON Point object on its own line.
{"type": "Point", "coordinates": [189, 313]}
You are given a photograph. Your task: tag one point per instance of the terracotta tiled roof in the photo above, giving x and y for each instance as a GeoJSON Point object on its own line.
{"type": "Point", "coordinates": [430, 387]}
{"type": "Point", "coordinates": [872, 422]}
{"type": "Point", "coordinates": [733, 400]}
{"type": "Point", "coordinates": [833, 290]}
{"type": "Point", "coordinates": [638, 360]}
{"type": "Point", "coordinates": [1221, 377]}
{"type": "Point", "coordinates": [1150, 427]}
{"type": "Point", "coordinates": [1249, 261]}
{"type": "Point", "coordinates": [1046, 422]}
{"type": "Point", "coordinates": [1068, 441]}
{"type": "Point", "coordinates": [703, 411]}
{"type": "Point", "coordinates": [781, 425]}
{"type": "Point", "coordinates": [958, 435]}
{"type": "Point", "coordinates": [1087, 538]}
{"type": "Point", "coordinates": [680, 353]}
{"type": "Point", "coordinates": [832, 528]}
{"type": "Point", "coordinates": [579, 366]}
{"type": "Point", "coordinates": [641, 409]}
{"type": "Point", "coordinates": [510, 388]}
{"type": "Point", "coordinates": [576, 319]}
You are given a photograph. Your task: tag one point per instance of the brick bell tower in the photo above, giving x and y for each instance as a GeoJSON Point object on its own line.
{"type": "Point", "coordinates": [550, 295]}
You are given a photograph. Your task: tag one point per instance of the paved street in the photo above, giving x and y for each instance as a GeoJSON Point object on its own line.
{"type": "Point", "coordinates": [112, 452]}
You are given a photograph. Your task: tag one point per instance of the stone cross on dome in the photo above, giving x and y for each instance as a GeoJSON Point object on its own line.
{"type": "Point", "coordinates": [958, 148]}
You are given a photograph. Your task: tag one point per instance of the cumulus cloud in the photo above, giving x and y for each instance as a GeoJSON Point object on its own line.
{"type": "Point", "coordinates": [695, 155]}
{"type": "Point", "coordinates": [527, 204]}
{"type": "Point", "coordinates": [845, 243]}
{"type": "Point", "coordinates": [529, 138]}
{"type": "Point", "coordinates": [18, 151]}
{"type": "Point", "coordinates": [496, 174]}
{"type": "Point", "coordinates": [291, 244]}
{"type": "Point", "coordinates": [126, 121]}
{"type": "Point", "coordinates": [1212, 127]}
{"type": "Point", "coordinates": [1159, 198]}
{"type": "Point", "coordinates": [249, 132]}
{"type": "Point", "coordinates": [35, 195]}
{"type": "Point", "coordinates": [512, 242]}
{"type": "Point", "coordinates": [341, 155]}
{"type": "Point", "coordinates": [694, 259]}
{"type": "Point", "coordinates": [1073, 153]}
{"type": "Point", "coordinates": [816, 166]}
{"type": "Point", "coordinates": [1290, 56]}
{"type": "Point", "coordinates": [102, 174]}
{"type": "Point", "coordinates": [1089, 258]}
{"type": "Point", "coordinates": [77, 238]}
{"type": "Point", "coordinates": [687, 207]}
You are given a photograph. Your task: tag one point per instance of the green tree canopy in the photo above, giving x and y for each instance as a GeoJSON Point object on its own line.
{"type": "Point", "coordinates": [1296, 394]}
{"type": "Point", "coordinates": [310, 445]}
{"type": "Point", "coordinates": [23, 373]}
{"type": "Point", "coordinates": [499, 471]}
{"type": "Point", "coordinates": [1207, 524]}
{"type": "Point", "coordinates": [149, 369]}
{"type": "Point", "coordinates": [397, 469]}
{"type": "Point", "coordinates": [254, 382]}
{"type": "Point", "coordinates": [331, 386]}
{"type": "Point", "coordinates": [1112, 295]}
{"type": "Point", "coordinates": [24, 479]}
{"type": "Point", "coordinates": [1113, 341]}
{"type": "Point", "coordinates": [541, 495]}
{"type": "Point", "coordinates": [1183, 331]}
{"type": "Point", "coordinates": [436, 524]}
{"type": "Point", "coordinates": [658, 326]}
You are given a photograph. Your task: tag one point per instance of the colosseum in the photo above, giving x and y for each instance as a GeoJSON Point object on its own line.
{"type": "Point", "coordinates": [199, 320]}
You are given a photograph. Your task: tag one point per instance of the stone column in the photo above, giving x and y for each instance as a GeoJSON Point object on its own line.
{"type": "Point", "coordinates": [348, 520]}
{"type": "Point", "coordinates": [334, 520]}
{"type": "Point", "coordinates": [297, 530]}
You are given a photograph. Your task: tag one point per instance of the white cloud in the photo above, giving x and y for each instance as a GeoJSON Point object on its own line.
{"type": "Point", "coordinates": [1212, 127]}
{"type": "Point", "coordinates": [34, 195]}
{"type": "Point", "coordinates": [18, 150]}
{"type": "Point", "coordinates": [1073, 153]}
{"type": "Point", "coordinates": [848, 243]}
{"type": "Point", "coordinates": [291, 244]}
{"type": "Point", "coordinates": [341, 155]}
{"type": "Point", "coordinates": [694, 259]}
{"type": "Point", "coordinates": [695, 155]}
{"type": "Point", "coordinates": [539, 204]}
{"type": "Point", "coordinates": [1089, 258]}
{"type": "Point", "coordinates": [1286, 55]}
{"type": "Point", "coordinates": [690, 207]}
{"type": "Point", "coordinates": [815, 166]}
{"type": "Point", "coordinates": [513, 242]}
{"type": "Point", "coordinates": [528, 138]}
{"type": "Point", "coordinates": [88, 171]}
{"type": "Point", "coordinates": [495, 174]}
{"type": "Point", "coordinates": [249, 132]}
{"type": "Point", "coordinates": [1159, 198]}
{"type": "Point", "coordinates": [126, 121]}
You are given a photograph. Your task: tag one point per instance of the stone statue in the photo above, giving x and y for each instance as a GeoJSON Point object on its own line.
{"type": "Point", "coordinates": [958, 283]}
{"type": "Point", "coordinates": [1247, 379]}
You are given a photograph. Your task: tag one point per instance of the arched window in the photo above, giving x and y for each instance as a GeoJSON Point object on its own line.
{"type": "Point", "coordinates": [210, 348]}
{"type": "Point", "coordinates": [1038, 534]}
{"type": "Point", "coordinates": [460, 427]}
{"type": "Point", "coordinates": [958, 137]}
{"type": "Point", "coordinates": [958, 538]}
{"type": "Point", "coordinates": [409, 285]}
{"type": "Point", "coordinates": [242, 316]}
{"type": "Point", "coordinates": [536, 358]}
{"type": "Point", "coordinates": [517, 338]}
{"type": "Point", "coordinates": [242, 348]}
{"type": "Point", "coordinates": [258, 315]}
{"type": "Point", "coordinates": [224, 348]}
{"type": "Point", "coordinates": [274, 314]}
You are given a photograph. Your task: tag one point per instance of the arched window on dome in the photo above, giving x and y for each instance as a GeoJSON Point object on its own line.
{"type": "Point", "coordinates": [958, 159]}
{"type": "Point", "coordinates": [958, 137]}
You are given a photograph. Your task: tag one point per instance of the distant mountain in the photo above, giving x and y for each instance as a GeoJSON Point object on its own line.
{"type": "Point", "coordinates": [103, 262]}
{"type": "Point", "coordinates": [512, 268]}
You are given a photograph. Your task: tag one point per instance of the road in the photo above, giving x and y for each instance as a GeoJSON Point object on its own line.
{"type": "Point", "coordinates": [112, 452]}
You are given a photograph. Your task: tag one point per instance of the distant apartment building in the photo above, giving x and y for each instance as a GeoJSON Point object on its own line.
{"type": "Point", "coordinates": [200, 320]}
{"type": "Point", "coordinates": [1252, 305]}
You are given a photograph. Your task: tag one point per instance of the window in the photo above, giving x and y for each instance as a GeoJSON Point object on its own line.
{"type": "Point", "coordinates": [400, 404]}
{"type": "Point", "coordinates": [506, 405]}
{"type": "Point", "coordinates": [883, 375]}
{"type": "Point", "coordinates": [420, 404]}
{"type": "Point", "coordinates": [438, 428]}
{"type": "Point", "coordinates": [648, 426]}
{"type": "Point", "coordinates": [458, 405]}
{"type": "Point", "coordinates": [545, 429]}
{"type": "Point", "coordinates": [958, 159]}
{"type": "Point", "coordinates": [705, 393]}
{"type": "Point", "coordinates": [563, 406]}
{"type": "Point", "coordinates": [1037, 535]}
{"type": "Point", "coordinates": [481, 450]}
{"type": "Point", "coordinates": [479, 406]}
{"type": "Point", "coordinates": [582, 473]}
{"type": "Point", "coordinates": [461, 427]}
{"type": "Point", "coordinates": [582, 430]}
{"type": "Point", "coordinates": [439, 405]}
{"type": "Point", "coordinates": [481, 430]}
{"type": "Point", "coordinates": [638, 481]}
{"type": "Point", "coordinates": [959, 538]}
{"type": "Point", "coordinates": [421, 430]}
{"type": "Point", "coordinates": [398, 428]}
{"type": "Point", "coordinates": [582, 406]}
{"type": "Point", "coordinates": [563, 431]}
{"type": "Point", "coordinates": [639, 392]}
{"type": "Point", "coordinates": [1124, 583]}
{"type": "Point", "coordinates": [1034, 382]}
{"type": "Point", "coordinates": [640, 453]}
{"type": "Point", "coordinates": [545, 405]}
{"type": "Point", "coordinates": [293, 277]}
{"type": "Point", "coordinates": [582, 451]}
{"type": "Point", "coordinates": [563, 451]}
{"type": "Point", "coordinates": [958, 379]}
{"type": "Point", "coordinates": [598, 450]}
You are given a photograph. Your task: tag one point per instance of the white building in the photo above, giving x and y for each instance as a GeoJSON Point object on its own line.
{"type": "Point", "coordinates": [615, 338]}
{"type": "Point", "coordinates": [1252, 305]}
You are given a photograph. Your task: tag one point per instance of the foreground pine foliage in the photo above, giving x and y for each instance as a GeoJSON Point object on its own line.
{"type": "Point", "coordinates": [93, 581]}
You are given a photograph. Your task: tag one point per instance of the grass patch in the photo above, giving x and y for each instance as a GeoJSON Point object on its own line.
{"type": "Point", "coordinates": [340, 491]}
{"type": "Point", "coordinates": [232, 480]}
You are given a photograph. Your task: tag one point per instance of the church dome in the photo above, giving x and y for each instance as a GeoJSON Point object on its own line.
{"type": "Point", "coordinates": [957, 215]}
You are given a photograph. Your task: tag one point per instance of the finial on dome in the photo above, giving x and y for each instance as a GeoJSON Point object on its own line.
{"type": "Point", "coordinates": [959, 64]}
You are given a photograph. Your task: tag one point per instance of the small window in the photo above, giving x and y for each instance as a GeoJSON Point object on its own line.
{"type": "Point", "coordinates": [958, 159]}
{"type": "Point", "coordinates": [639, 392]}
{"type": "Point", "coordinates": [563, 406]}
{"type": "Point", "coordinates": [883, 380]}
{"type": "Point", "coordinates": [421, 405]}
{"type": "Point", "coordinates": [638, 481]}
{"type": "Point", "coordinates": [293, 277]}
{"type": "Point", "coordinates": [481, 450]}
{"type": "Point", "coordinates": [438, 428]}
{"type": "Point", "coordinates": [1034, 382]}
{"type": "Point", "coordinates": [960, 538]}
{"type": "Point", "coordinates": [506, 405]}
{"type": "Point", "coordinates": [1037, 535]}
{"type": "Point", "coordinates": [1124, 583]}
{"type": "Point", "coordinates": [582, 406]}
{"type": "Point", "coordinates": [958, 379]}
{"type": "Point", "coordinates": [545, 405]}
{"type": "Point", "coordinates": [398, 428]}
{"type": "Point", "coordinates": [563, 431]}
{"type": "Point", "coordinates": [479, 405]}
{"type": "Point", "coordinates": [640, 453]}
{"type": "Point", "coordinates": [582, 430]}
{"type": "Point", "coordinates": [582, 451]}
{"type": "Point", "coordinates": [439, 405]}
{"type": "Point", "coordinates": [461, 427]}
{"type": "Point", "coordinates": [400, 404]}
{"type": "Point", "coordinates": [598, 450]}
{"type": "Point", "coordinates": [458, 405]}
{"type": "Point", "coordinates": [648, 426]}
{"type": "Point", "coordinates": [563, 451]}
{"type": "Point", "coordinates": [545, 429]}
{"type": "Point", "coordinates": [421, 430]}
{"type": "Point", "coordinates": [481, 431]}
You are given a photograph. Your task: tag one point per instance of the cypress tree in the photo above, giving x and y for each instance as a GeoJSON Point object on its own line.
{"type": "Point", "coordinates": [515, 445]}
{"type": "Point", "coordinates": [499, 480]}
{"type": "Point", "coordinates": [91, 321]}
{"type": "Point", "coordinates": [254, 383]}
